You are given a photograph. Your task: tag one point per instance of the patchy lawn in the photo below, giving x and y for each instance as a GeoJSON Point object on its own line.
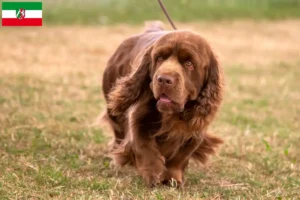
{"type": "Point", "coordinates": [50, 97]}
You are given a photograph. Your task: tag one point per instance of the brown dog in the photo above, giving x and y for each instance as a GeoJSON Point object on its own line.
{"type": "Point", "coordinates": [163, 89]}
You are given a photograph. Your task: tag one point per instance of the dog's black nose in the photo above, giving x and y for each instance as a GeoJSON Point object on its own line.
{"type": "Point", "coordinates": [165, 80]}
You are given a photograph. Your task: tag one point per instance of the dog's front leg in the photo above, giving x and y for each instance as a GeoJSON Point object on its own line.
{"type": "Point", "coordinates": [149, 162]}
{"type": "Point", "coordinates": [177, 165]}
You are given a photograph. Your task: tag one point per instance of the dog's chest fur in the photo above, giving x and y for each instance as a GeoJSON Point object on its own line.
{"type": "Point", "coordinates": [173, 136]}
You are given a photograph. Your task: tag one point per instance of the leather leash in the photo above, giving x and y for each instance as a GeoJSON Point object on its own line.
{"type": "Point", "coordinates": [166, 13]}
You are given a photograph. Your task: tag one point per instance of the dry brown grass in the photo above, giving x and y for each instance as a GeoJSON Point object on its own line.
{"type": "Point", "coordinates": [50, 95]}
{"type": "Point", "coordinates": [68, 49]}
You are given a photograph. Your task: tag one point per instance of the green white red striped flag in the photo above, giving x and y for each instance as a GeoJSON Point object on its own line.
{"type": "Point", "coordinates": [22, 14]}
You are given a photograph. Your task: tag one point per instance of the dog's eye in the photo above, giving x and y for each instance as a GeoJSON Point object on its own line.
{"type": "Point", "coordinates": [189, 65]}
{"type": "Point", "coordinates": [159, 59]}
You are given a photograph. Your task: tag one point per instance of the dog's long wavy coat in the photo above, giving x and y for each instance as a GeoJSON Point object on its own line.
{"type": "Point", "coordinates": [163, 89]}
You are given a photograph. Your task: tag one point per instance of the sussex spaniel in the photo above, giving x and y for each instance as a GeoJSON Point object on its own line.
{"type": "Point", "coordinates": [163, 89]}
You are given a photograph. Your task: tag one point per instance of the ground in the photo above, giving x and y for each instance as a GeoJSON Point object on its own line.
{"type": "Point", "coordinates": [50, 97]}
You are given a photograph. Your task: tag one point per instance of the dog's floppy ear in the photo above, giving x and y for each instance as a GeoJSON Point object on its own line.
{"type": "Point", "coordinates": [128, 89]}
{"type": "Point", "coordinates": [210, 96]}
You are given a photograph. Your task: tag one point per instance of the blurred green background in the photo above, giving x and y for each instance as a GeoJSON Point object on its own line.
{"type": "Point", "coordinates": [136, 11]}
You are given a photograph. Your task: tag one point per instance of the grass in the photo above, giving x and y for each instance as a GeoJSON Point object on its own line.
{"type": "Point", "coordinates": [136, 11]}
{"type": "Point", "coordinates": [50, 95]}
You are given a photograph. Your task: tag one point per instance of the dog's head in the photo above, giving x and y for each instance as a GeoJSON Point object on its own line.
{"type": "Point", "coordinates": [182, 73]}
{"type": "Point", "coordinates": [180, 65]}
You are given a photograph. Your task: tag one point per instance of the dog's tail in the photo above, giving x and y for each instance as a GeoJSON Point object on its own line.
{"type": "Point", "coordinates": [153, 26]}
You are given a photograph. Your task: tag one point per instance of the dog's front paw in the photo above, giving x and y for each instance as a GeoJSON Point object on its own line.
{"type": "Point", "coordinates": [174, 178]}
{"type": "Point", "coordinates": [152, 179]}
{"type": "Point", "coordinates": [153, 175]}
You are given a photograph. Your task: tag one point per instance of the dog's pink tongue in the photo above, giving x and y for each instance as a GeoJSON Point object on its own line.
{"type": "Point", "coordinates": [164, 98]}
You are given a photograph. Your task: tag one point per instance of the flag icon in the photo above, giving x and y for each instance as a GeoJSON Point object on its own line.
{"type": "Point", "coordinates": [22, 14]}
